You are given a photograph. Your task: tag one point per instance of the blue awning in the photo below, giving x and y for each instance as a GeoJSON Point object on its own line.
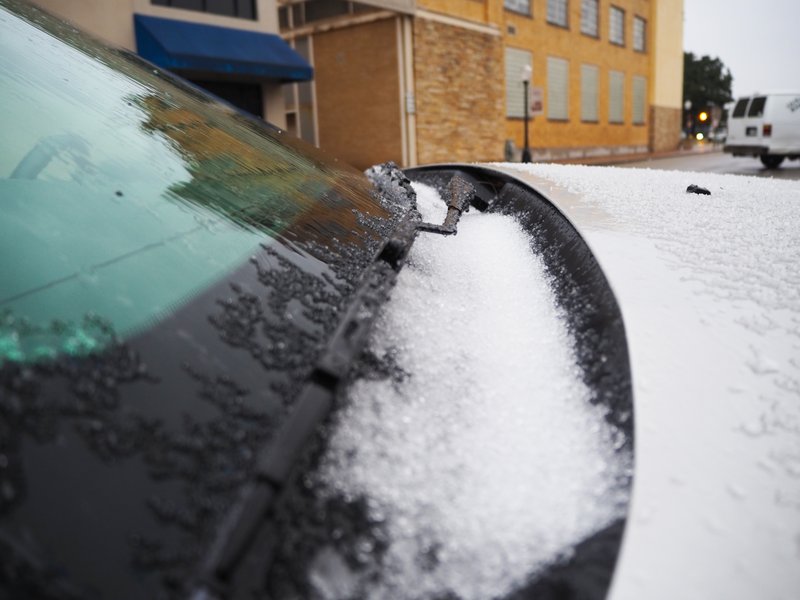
{"type": "Point", "coordinates": [182, 45]}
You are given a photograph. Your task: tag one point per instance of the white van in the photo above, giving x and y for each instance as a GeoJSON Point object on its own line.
{"type": "Point", "coordinates": [767, 126]}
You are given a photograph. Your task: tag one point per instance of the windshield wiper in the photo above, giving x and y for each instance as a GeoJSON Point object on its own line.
{"type": "Point", "coordinates": [460, 193]}
{"type": "Point", "coordinates": [237, 561]}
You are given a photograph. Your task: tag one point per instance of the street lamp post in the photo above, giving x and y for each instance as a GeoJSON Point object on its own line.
{"type": "Point", "coordinates": [526, 80]}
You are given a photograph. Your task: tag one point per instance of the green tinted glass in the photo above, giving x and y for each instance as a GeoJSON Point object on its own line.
{"type": "Point", "coordinates": [123, 195]}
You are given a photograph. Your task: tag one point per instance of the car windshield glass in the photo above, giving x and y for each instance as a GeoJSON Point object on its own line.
{"type": "Point", "coordinates": [170, 272]}
{"type": "Point", "coordinates": [757, 107]}
{"type": "Point", "coordinates": [741, 108]}
{"type": "Point", "coordinates": [123, 194]}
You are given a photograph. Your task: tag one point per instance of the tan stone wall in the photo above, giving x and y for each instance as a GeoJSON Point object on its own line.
{"type": "Point", "coordinates": [667, 45]}
{"type": "Point", "coordinates": [358, 93]}
{"type": "Point", "coordinates": [459, 93]}
{"type": "Point", "coordinates": [474, 10]}
{"type": "Point", "coordinates": [665, 129]}
{"type": "Point", "coordinates": [112, 20]}
{"type": "Point", "coordinates": [109, 20]}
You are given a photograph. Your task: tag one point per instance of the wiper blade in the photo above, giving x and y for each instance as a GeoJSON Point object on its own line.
{"type": "Point", "coordinates": [237, 562]}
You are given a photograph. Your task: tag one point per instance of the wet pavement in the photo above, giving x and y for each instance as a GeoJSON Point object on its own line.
{"type": "Point", "coordinates": [716, 161]}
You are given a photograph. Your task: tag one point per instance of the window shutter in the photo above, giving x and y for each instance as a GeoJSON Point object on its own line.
{"type": "Point", "coordinates": [557, 12]}
{"type": "Point", "coordinates": [589, 94]}
{"type": "Point", "coordinates": [616, 31]}
{"type": "Point", "coordinates": [639, 99]}
{"type": "Point", "coordinates": [616, 93]}
{"type": "Point", "coordinates": [589, 17]}
{"type": "Point", "coordinates": [515, 62]}
{"type": "Point", "coordinates": [557, 88]}
{"type": "Point", "coordinates": [639, 34]}
{"type": "Point", "coordinates": [520, 6]}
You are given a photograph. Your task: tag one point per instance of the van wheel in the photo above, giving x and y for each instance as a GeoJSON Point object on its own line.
{"type": "Point", "coordinates": [771, 161]}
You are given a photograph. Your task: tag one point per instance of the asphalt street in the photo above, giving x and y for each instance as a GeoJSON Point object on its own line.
{"type": "Point", "coordinates": [718, 162]}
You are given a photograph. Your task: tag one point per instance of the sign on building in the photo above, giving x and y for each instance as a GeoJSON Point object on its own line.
{"type": "Point", "coordinates": [537, 100]}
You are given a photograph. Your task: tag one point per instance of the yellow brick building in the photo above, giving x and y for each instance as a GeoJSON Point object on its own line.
{"type": "Point", "coordinates": [421, 81]}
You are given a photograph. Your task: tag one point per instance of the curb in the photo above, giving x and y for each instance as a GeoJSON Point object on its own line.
{"type": "Point", "coordinates": [641, 157]}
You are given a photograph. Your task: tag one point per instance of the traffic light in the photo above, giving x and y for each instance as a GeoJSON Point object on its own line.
{"type": "Point", "coordinates": [702, 117]}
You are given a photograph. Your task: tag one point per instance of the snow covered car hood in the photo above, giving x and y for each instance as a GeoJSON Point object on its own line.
{"type": "Point", "coordinates": [709, 289]}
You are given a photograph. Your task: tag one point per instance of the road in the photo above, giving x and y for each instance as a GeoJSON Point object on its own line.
{"type": "Point", "coordinates": [718, 162]}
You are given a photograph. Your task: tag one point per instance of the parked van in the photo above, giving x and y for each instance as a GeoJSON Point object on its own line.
{"type": "Point", "coordinates": [767, 126]}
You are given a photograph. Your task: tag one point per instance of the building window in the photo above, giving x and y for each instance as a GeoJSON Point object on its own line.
{"type": "Point", "coordinates": [557, 89]}
{"type": "Point", "coordinates": [590, 77]}
{"type": "Point", "coordinates": [589, 17]}
{"type": "Point", "coordinates": [616, 23]}
{"type": "Point", "coordinates": [616, 97]}
{"type": "Point", "coordinates": [245, 9]}
{"type": "Point", "coordinates": [639, 99]}
{"type": "Point", "coordinates": [639, 34]}
{"type": "Point", "coordinates": [557, 12]}
{"type": "Point", "coordinates": [520, 6]}
{"type": "Point", "coordinates": [516, 61]}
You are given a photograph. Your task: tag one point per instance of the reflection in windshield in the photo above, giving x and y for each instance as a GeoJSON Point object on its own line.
{"type": "Point", "coordinates": [123, 196]}
{"type": "Point", "coordinates": [129, 200]}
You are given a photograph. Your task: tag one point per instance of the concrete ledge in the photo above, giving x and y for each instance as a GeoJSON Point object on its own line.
{"type": "Point", "coordinates": [622, 157]}
{"type": "Point", "coordinates": [579, 153]}
{"type": "Point", "coordinates": [609, 155]}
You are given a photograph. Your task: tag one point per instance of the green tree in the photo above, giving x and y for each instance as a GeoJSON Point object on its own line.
{"type": "Point", "coordinates": [706, 81]}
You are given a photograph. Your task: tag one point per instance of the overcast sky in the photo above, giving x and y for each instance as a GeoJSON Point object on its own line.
{"type": "Point", "coordinates": [758, 40]}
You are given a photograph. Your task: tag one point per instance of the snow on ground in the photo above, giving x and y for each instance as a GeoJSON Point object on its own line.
{"type": "Point", "coordinates": [485, 460]}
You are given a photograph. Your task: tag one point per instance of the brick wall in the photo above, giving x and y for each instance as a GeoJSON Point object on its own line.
{"type": "Point", "coordinates": [459, 93]}
{"type": "Point", "coordinates": [358, 93]}
{"type": "Point", "coordinates": [665, 128]}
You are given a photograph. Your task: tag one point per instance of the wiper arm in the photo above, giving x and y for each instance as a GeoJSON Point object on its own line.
{"type": "Point", "coordinates": [460, 194]}
{"type": "Point", "coordinates": [245, 543]}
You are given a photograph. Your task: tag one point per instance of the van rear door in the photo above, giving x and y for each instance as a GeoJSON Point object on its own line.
{"type": "Point", "coordinates": [745, 131]}
{"type": "Point", "coordinates": [753, 124]}
{"type": "Point", "coordinates": [736, 124]}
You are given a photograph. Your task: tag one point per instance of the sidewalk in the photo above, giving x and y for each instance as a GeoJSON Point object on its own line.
{"type": "Point", "coordinates": [616, 159]}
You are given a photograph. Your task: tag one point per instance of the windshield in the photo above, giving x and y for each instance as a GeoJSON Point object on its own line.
{"type": "Point", "coordinates": [124, 196]}
{"type": "Point", "coordinates": [169, 272]}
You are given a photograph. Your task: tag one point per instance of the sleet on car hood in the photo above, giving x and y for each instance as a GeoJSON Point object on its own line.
{"type": "Point", "coordinates": [709, 288]}
{"type": "Point", "coordinates": [484, 455]}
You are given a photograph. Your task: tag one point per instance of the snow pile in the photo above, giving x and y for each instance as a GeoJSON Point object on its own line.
{"type": "Point", "coordinates": [482, 458]}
